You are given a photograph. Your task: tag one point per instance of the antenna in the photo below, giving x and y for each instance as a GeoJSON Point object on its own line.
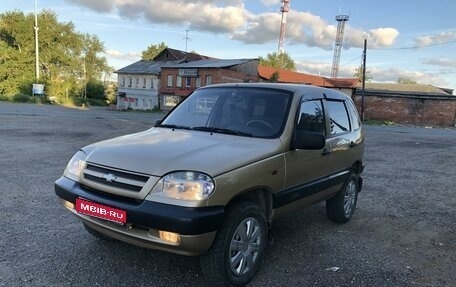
{"type": "Point", "coordinates": [284, 9]}
{"type": "Point", "coordinates": [341, 19]}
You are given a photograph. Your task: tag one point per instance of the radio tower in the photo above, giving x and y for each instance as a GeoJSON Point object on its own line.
{"type": "Point", "coordinates": [341, 19]}
{"type": "Point", "coordinates": [284, 9]}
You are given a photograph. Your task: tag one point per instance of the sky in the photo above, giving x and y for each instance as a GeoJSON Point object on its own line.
{"type": "Point", "coordinates": [414, 39]}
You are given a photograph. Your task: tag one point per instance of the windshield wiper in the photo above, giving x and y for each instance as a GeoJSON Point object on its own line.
{"type": "Point", "coordinates": [174, 127]}
{"type": "Point", "coordinates": [222, 131]}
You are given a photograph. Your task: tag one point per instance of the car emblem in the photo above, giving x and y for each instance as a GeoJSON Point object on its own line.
{"type": "Point", "coordinates": [109, 177]}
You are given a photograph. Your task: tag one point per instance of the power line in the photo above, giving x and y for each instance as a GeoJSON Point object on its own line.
{"type": "Point", "coordinates": [352, 60]}
{"type": "Point", "coordinates": [415, 47]}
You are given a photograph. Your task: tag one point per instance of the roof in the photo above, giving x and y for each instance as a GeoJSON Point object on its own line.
{"type": "Point", "coordinates": [210, 63]}
{"type": "Point", "coordinates": [295, 88]}
{"type": "Point", "coordinates": [144, 67]}
{"type": "Point", "coordinates": [167, 56]}
{"type": "Point", "coordinates": [406, 88]}
{"type": "Point", "coordinates": [286, 76]}
{"type": "Point", "coordinates": [173, 54]}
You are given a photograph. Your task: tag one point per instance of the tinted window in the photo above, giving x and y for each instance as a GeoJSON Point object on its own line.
{"type": "Point", "coordinates": [354, 116]}
{"type": "Point", "coordinates": [311, 117]}
{"type": "Point", "coordinates": [249, 111]}
{"type": "Point", "coordinates": [339, 122]}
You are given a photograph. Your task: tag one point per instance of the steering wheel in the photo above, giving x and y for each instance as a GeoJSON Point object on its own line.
{"type": "Point", "coordinates": [263, 123]}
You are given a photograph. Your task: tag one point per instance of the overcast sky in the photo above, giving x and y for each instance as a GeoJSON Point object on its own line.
{"type": "Point", "coordinates": [414, 39]}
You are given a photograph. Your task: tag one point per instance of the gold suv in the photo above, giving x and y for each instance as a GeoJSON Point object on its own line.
{"type": "Point", "coordinates": [210, 177]}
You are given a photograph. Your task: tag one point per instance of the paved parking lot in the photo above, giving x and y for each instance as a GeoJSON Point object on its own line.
{"type": "Point", "coordinates": [403, 232]}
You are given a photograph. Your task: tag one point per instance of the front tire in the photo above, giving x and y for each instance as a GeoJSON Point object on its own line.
{"type": "Point", "coordinates": [239, 247]}
{"type": "Point", "coordinates": [341, 207]}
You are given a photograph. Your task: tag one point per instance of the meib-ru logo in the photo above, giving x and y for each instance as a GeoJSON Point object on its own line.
{"type": "Point", "coordinates": [100, 211]}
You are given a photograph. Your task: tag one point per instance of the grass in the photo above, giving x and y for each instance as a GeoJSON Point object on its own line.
{"type": "Point", "coordinates": [380, 123]}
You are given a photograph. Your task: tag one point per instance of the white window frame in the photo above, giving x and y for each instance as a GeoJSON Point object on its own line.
{"type": "Point", "coordinates": [208, 80]}
{"type": "Point", "coordinates": [178, 81]}
{"type": "Point", "coordinates": [169, 80]}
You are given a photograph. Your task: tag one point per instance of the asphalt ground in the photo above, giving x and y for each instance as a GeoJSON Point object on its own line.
{"type": "Point", "coordinates": [402, 234]}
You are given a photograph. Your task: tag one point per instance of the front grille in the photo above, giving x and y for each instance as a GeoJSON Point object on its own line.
{"type": "Point", "coordinates": [113, 178]}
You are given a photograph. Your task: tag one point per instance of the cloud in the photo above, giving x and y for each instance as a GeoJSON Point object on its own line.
{"type": "Point", "coordinates": [102, 6]}
{"type": "Point", "coordinates": [230, 17]}
{"type": "Point", "coordinates": [378, 74]}
{"type": "Point", "coordinates": [440, 38]}
{"type": "Point", "coordinates": [202, 15]}
{"type": "Point", "coordinates": [443, 62]}
{"type": "Point", "coordinates": [130, 56]}
{"type": "Point", "coordinates": [311, 30]}
{"type": "Point", "coordinates": [271, 2]}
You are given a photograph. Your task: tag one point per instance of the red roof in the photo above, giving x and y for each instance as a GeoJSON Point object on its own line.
{"type": "Point", "coordinates": [286, 76]}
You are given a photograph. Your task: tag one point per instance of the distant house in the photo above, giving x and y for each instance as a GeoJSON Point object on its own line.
{"type": "Point", "coordinates": [179, 80]}
{"type": "Point", "coordinates": [345, 85]}
{"type": "Point", "coordinates": [138, 83]}
{"type": "Point", "coordinates": [415, 104]}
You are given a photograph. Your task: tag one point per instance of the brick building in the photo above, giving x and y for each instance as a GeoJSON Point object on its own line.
{"type": "Point", "coordinates": [138, 83]}
{"type": "Point", "coordinates": [416, 104]}
{"type": "Point", "coordinates": [178, 80]}
{"type": "Point", "coordinates": [344, 85]}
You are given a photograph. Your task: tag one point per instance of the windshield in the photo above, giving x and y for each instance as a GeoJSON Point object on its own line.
{"type": "Point", "coordinates": [243, 111]}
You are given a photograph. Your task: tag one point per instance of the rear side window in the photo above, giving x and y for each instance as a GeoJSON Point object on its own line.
{"type": "Point", "coordinates": [354, 116]}
{"type": "Point", "coordinates": [311, 117]}
{"type": "Point", "coordinates": [338, 116]}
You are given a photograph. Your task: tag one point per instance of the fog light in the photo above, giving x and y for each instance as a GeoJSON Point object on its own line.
{"type": "Point", "coordinates": [68, 204]}
{"type": "Point", "coordinates": [169, 236]}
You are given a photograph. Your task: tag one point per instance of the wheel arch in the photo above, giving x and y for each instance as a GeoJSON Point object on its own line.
{"type": "Point", "coordinates": [261, 196]}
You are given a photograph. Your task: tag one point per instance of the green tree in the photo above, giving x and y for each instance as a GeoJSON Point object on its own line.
{"type": "Point", "coordinates": [152, 51]}
{"type": "Point", "coordinates": [279, 61]}
{"type": "Point", "coordinates": [16, 53]}
{"type": "Point", "coordinates": [402, 80]}
{"type": "Point", "coordinates": [274, 77]}
{"type": "Point", "coordinates": [359, 74]}
{"type": "Point", "coordinates": [68, 59]}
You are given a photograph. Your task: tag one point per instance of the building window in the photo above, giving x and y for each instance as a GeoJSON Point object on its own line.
{"type": "Point", "coordinates": [144, 83]}
{"type": "Point", "coordinates": [122, 82]}
{"type": "Point", "coordinates": [137, 82]}
{"type": "Point", "coordinates": [151, 83]}
{"type": "Point", "coordinates": [208, 80]}
{"type": "Point", "coordinates": [129, 82]}
{"type": "Point", "coordinates": [188, 82]}
{"type": "Point", "coordinates": [169, 82]}
{"type": "Point", "coordinates": [171, 101]}
{"type": "Point", "coordinates": [178, 81]}
{"type": "Point", "coordinates": [198, 82]}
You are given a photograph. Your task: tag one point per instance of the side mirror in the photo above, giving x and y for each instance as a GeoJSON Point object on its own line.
{"type": "Point", "coordinates": [309, 140]}
{"type": "Point", "coordinates": [156, 122]}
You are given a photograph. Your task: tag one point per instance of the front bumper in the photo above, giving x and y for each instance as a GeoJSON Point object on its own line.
{"type": "Point", "coordinates": [196, 226]}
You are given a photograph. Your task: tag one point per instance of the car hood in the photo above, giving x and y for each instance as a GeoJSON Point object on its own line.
{"type": "Point", "coordinates": [161, 150]}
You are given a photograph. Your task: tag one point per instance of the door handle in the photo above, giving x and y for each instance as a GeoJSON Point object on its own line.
{"type": "Point", "coordinates": [325, 152]}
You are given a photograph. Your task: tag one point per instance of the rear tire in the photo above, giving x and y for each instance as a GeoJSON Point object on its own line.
{"type": "Point", "coordinates": [238, 249]}
{"type": "Point", "coordinates": [341, 207]}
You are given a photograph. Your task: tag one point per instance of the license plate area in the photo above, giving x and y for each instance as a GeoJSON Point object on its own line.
{"type": "Point", "coordinates": [93, 209]}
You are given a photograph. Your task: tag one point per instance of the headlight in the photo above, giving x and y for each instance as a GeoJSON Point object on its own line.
{"type": "Point", "coordinates": [75, 166]}
{"type": "Point", "coordinates": [184, 185]}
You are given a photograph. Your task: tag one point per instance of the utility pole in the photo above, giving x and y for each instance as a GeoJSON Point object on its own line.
{"type": "Point", "coordinates": [364, 79]}
{"type": "Point", "coordinates": [36, 43]}
{"type": "Point", "coordinates": [186, 38]}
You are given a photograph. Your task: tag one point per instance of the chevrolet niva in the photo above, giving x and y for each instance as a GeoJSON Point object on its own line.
{"type": "Point", "coordinates": [210, 177]}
